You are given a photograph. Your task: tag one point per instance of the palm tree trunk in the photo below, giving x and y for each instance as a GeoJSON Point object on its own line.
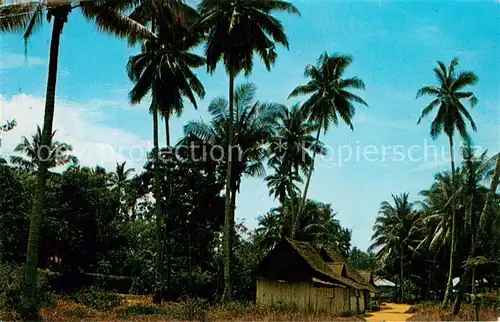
{"type": "Point", "coordinates": [227, 240]}
{"type": "Point", "coordinates": [306, 188]}
{"type": "Point", "coordinates": [479, 234]}
{"type": "Point", "coordinates": [402, 281]}
{"type": "Point", "coordinates": [234, 193]}
{"type": "Point", "coordinates": [29, 309]}
{"type": "Point", "coordinates": [157, 296]}
{"type": "Point", "coordinates": [449, 285]}
{"type": "Point", "coordinates": [168, 247]}
{"type": "Point", "coordinates": [167, 130]}
{"type": "Point", "coordinates": [291, 195]}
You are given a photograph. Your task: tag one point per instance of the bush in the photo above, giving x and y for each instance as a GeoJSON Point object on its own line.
{"type": "Point", "coordinates": [71, 282]}
{"type": "Point", "coordinates": [11, 283]}
{"type": "Point", "coordinates": [97, 299]}
{"type": "Point", "coordinates": [140, 310]}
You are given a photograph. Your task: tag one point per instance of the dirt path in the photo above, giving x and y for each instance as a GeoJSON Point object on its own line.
{"type": "Point", "coordinates": [389, 312]}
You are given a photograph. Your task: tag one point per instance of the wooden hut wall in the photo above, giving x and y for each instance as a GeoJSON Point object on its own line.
{"type": "Point", "coordinates": [307, 296]}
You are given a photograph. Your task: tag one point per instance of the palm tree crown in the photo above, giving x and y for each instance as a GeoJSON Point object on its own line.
{"type": "Point", "coordinates": [330, 97]}
{"type": "Point", "coordinates": [294, 141]}
{"type": "Point", "coordinates": [392, 226]}
{"type": "Point", "coordinates": [254, 127]}
{"type": "Point", "coordinates": [58, 153]}
{"type": "Point", "coordinates": [237, 29]}
{"type": "Point", "coordinates": [449, 95]}
{"type": "Point", "coordinates": [164, 66]}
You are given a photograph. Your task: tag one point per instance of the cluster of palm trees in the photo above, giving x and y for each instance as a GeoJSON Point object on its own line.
{"type": "Point", "coordinates": [288, 138]}
{"type": "Point", "coordinates": [457, 203]}
{"type": "Point", "coordinates": [232, 32]}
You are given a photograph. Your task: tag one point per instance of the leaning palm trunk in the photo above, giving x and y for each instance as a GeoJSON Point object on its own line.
{"type": "Point", "coordinates": [449, 285]}
{"type": "Point", "coordinates": [479, 234]}
{"type": "Point", "coordinates": [157, 296]}
{"type": "Point", "coordinates": [306, 188]}
{"type": "Point", "coordinates": [228, 227]}
{"type": "Point", "coordinates": [29, 303]}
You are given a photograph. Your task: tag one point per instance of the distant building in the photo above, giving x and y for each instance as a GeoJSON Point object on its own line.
{"type": "Point", "coordinates": [385, 288]}
{"type": "Point", "coordinates": [294, 272]}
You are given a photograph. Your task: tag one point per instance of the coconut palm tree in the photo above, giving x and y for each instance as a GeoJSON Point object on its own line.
{"type": "Point", "coordinates": [318, 226]}
{"type": "Point", "coordinates": [392, 231]}
{"type": "Point", "coordinates": [119, 180]}
{"type": "Point", "coordinates": [329, 101]}
{"type": "Point", "coordinates": [449, 98]}
{"type": "Point", "coordinates": [58, 153]}
{"type": "Point", "coordinates": [476, 169]}
{"type": "Point", "coordinates": [253, 130]}
{"type": "Point", "coordinates": [291, 150]}
{"type": "Point", "coordinates": [236, 30]}
{"type": "Point", "coordinates": [282, 184]}
{"type": "Point", "coordinates": [163, 68]}
{"type": "Point", "coordinates": [28, 17]}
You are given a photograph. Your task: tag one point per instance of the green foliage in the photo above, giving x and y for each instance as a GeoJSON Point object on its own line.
{"type": "Point", "coordinates": [362, 260]}
{"type": "Point", "coordinates": [317, 225]}
{"type": "Point", "coordinates": [97, 298]}
{"type": "Point", "coordinates": [11, 278]}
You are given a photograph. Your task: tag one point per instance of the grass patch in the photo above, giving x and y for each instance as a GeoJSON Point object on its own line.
{"type": "Point", "coordinates": [431, 311]}
{"type": "Point", "coordinates": [140, 308]}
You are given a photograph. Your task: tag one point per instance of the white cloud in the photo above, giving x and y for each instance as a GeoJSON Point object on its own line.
{"type": "Point", "coordinates": [79, 124]}
{"type": "Point", "coordinates": [9, 60]}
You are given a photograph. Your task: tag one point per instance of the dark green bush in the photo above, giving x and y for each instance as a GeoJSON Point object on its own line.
{"type": "Point", "coordinates": [97, 298]}
{"type": "Point", "coordinates": [11, 282]}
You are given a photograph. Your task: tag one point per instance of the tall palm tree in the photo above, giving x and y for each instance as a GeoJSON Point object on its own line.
{"type": "Point", "coordinates": [27, 17]}
{"type": "Point", "coordinates": [119, 180]}
{"type": "Point", "coordinates": [392, 231]}
{"type": "Point", "coordinates": [436, 216]}
{"type": "Point", "coordinates": [476, 169]}
{"type": "Point", "coordinates": [163, 68]}
{"type": "Point", "coordinates": [330, 99]}
{"type": "Point", "coordinates": [253, 129]}
{"type": "Point", "coordinates": [449, 96]}
{"type": "Point", "coordinates": [237, 29]}
{"type": "Point", "coordinates": [291, 150]}
{"type": "Point", "coordinates": [58, 153]}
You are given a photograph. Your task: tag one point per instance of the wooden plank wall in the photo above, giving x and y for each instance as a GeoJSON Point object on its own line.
{"type": "Point", "coordinates": [335, 300]}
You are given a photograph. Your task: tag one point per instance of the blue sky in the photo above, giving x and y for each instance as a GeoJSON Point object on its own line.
{"type": "Point", "coordinates": [395, 45]}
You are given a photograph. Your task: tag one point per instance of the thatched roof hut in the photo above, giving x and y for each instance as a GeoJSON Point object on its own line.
{"type": "Point", "coordinates": [334, 257]}
{"type": "Point", "coordinates": [294, 272]}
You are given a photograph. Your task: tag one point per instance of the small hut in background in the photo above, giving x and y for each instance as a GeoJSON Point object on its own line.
{"type": "Point", "coordinates": [294, 272]}
{"type": "Point", "coordinates": [386, 288]}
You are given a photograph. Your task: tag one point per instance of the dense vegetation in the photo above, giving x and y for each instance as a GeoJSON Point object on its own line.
{"type": "Point", "coordinates": [169, 229]}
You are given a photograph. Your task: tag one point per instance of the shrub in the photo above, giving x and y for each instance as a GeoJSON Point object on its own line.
{"type": "Point", "coordinates": [140, 310]}
{"type": "Point", "coordinates": [97, 299]}
{"type": "Point", "coordinates": [11, 283]}
{"type": "Point", "coordinates": [193, 309]}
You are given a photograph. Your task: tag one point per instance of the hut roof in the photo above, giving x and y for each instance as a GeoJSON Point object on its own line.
{"type": "Point", "coordinates": [382, 282]}
{"type": "Point", "coordinates": [367, 276]}
{"type": "Point", "coordinates": [338, 268]}
{"type": "Point", "coordinates": [352, 273]}
{"type": "Point", "coordinates": [313, 258]}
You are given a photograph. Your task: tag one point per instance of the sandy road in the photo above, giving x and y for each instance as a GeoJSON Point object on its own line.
{"type": "Point", "coordinates": [389, 312]}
